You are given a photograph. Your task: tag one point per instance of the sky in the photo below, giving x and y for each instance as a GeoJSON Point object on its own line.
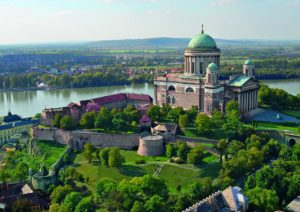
{"type": "Point", "coordinates": [38, 21]}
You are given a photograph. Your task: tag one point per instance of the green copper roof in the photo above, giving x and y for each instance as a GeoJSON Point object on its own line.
{"type": "Point", "coordinates": [212, 66]}
{"type": "Point", "coordinates": [239, 81]}
{"type": "Point", "coordinates": [249, 62]}
{"type": "Point", "coordinates": [202, 41]}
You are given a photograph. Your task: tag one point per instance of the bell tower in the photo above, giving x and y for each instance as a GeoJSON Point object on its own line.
{"type": "Point", "coordinates": [214, 92]}
{"type": "Point", "coordinates": [248, 68]}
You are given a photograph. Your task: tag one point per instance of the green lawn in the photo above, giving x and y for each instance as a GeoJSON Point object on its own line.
{"type": "Point", "coordinates": [173, 174]}
{"type": "Point", "coordinates": [275, 126]}
{"type": "Point", "coordinates": [52, 151]}
{"type": "Point", "coordinates": [295, 113]}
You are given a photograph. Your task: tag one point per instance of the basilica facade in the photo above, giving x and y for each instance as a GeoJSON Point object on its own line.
{"type": "Point", "coordinates": [200, 84]}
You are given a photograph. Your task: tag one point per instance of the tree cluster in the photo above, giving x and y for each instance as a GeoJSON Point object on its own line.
{"type": "Point", "coordinates": [116, 120]}
{"type": "Point", "coordinates": [110, 157]}
{"type": "Point", "coordinates": [149, 194]}
{"type": "Point", "coordinates": [182, 151]}
{"type": "Point", "coordinates": [277, 98]}
{"type": "Point", "coordinates": [274, 186]}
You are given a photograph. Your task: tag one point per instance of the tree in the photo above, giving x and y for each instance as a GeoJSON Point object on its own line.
{"type": "Point", "coordinates": [182, 150]}
{"type": "Point", "coordinates": [200, 190]}
{"type": "Point", "coordinates": [151, 185]}
{"type": "Point", "coordinates": [59, 193]}
{"type": "Point", "coordinates": [234, 147]}
{"type": "Point", "coordinates": [154, 113]}
{"type": "Point", "coordinates": [170, 150]}
{"type": "Point", "coordinates": [222, 146]}
{"type": "Point", "coordinates": [262, 199]}
{"type": "Point", "coordinates": [155, 204]}
{"type": "Point", "coordinates": [203, 123]}
{"type": "Point", "coordinates": [232, 126]}
{"type": "Point", "coordinates": [231, 106]}
{"type": "Point", "coordinates": [294, 187]}
{"type": "Point", "coordinates": [67, 123]}
{"type": "Point", "coordinates": [137, 207]}
{"type": "Point", "coordinates": [165, 110]}
{"type": "Point", "coordinates": [196, 155]}
{"type": "Point", "coordinates": [86, 205]}
{"type": "Point", "coordinates": [104, 156]}
{"type": "Point", "coordinates": [255, 157]}
{"type": "Point", "coordinates": [105, 188]}
{"type": "Point", "coordinates": [22, 171]}
{"type": "Point", "coordinates": [54, 207]}
{"type": "Point", "coordinates": [217, 119]}
{"type": "Point", "coordinates": [192, 114]}
{"type": "Point", "coordinates": [183, 121]}
{"type": "Point", "coordinates": [115, 159]}
{"type": "Point", "coordinates": [56, 120]}
{"type": "Point", "coordinates": [88, 152]}
{"type": "Point", "coordinates": [103, 119]}
{"type": "Point", "coordinates": [175, 113]}
{"type": "Point", "coordinates": [87, 120]}
{"type": "Point", "coordinates": [72, 200]}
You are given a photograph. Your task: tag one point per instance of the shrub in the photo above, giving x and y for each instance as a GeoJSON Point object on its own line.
{"type": "Point", "coordinates": [141, 161]}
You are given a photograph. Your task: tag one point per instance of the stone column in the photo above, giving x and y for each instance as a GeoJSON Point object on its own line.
{"type": "Point", "coordinates": [239, 101]}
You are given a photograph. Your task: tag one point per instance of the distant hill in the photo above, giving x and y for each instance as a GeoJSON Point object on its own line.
{"type": "Point", "coordinates": [165, 42]}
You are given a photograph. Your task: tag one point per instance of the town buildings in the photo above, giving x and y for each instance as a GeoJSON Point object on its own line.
{"type": "Point", "coordinates": [141, 102]}
{"type": "Point", "coordinates": [11, 125]}
{"type": "Point", "coordinates": [200, 84]}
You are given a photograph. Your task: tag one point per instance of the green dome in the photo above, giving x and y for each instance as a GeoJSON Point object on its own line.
{"type": "Point", "coordinates": [202, 41]}
{"type": "Point", "coordinates": [249, 62]}
{"type": "Point", "coordinates": [212, 67]}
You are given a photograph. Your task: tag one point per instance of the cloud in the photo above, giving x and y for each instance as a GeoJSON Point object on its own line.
{"type": "Point", "coordinates": [64, 12]}
{"type": "Point", "coordinates": [222, 3]}
{"type": "Point", "coordinates": [294, 3]}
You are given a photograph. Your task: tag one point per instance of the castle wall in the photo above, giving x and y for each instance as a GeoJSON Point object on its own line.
{"type": "Point", "coordinates": [76, 139]}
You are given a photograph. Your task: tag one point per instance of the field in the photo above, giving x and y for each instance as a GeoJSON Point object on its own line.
{"type": "Point", "coordinates": [276, 126]}
{"type": "Point", "coordinates": [295, 113]}
{"type": "Point", "coordinates": [173, 174]}
{"type": "Point", "coordinates": [51, 150]}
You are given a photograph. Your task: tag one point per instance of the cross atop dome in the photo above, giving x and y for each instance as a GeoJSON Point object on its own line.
{"type": "Point", "coordinates": [202, 31]}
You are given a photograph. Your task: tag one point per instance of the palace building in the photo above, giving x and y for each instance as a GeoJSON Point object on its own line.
{"type": "Point", "coordinates": [200, 84]}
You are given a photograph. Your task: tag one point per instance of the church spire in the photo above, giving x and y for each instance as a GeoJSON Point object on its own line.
{"type": "Point", "coordinates": [202, 31]}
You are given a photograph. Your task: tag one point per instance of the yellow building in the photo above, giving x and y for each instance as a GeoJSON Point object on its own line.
{"type": "Point", "coordinates": [12, 125]}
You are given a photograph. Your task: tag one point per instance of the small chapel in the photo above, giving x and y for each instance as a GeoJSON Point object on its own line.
{"type": "Point", "coordinates": [200, 84]}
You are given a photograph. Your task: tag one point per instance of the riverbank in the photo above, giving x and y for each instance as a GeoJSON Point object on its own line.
{"type": "Point", "coordinates": [263, 78]}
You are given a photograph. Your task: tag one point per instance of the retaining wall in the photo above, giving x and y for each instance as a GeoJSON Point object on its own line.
{"type": "Point", "coordinates": [42, 183]}
{"type": "Point", "coordinates": [76, 139]}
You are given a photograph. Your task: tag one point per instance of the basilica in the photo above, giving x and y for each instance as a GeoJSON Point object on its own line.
{"type": "Point", "coordinates": [200, 84]}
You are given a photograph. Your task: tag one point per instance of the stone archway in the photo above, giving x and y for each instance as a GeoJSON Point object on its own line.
{"type": "Point", "coordinates": [292, 142]}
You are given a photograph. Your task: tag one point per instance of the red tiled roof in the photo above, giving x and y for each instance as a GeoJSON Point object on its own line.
{"type": "Point", "coordinates": [145, 119]}
{"type": "Point", "coordinates": [142, 107]}
{"type": "Point", "coordinates": [109, 99]}
{"type": "Point", "coordinates": [72, 104]}
{"type": "Point", "coordinates": [92, 107]}
{"type": "Point", "coordinates": [142, 97]}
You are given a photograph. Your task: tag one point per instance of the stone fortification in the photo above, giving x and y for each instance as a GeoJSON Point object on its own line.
{"type": "Point", "coordinates": [151, 146]}
{"type": "Point", "coordinates": [42, 182]}
{"type": "Point", "coordinates": [77, 139]}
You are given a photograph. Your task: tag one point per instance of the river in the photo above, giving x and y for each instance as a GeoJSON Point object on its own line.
{"type": "Point", "coordinates": [28, 103]}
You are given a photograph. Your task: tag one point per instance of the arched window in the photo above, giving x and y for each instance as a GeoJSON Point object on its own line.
{"type": "Point", "coordinates": [189, 90]}
{"type": "Point", "coordinates": [173, 100]}
{"type": "Point", "coordinates": [171, 88]}
{"type": "Point", "coordinates": [168, 100]}
{"type": "Point", "coordinates": [209, 78]}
